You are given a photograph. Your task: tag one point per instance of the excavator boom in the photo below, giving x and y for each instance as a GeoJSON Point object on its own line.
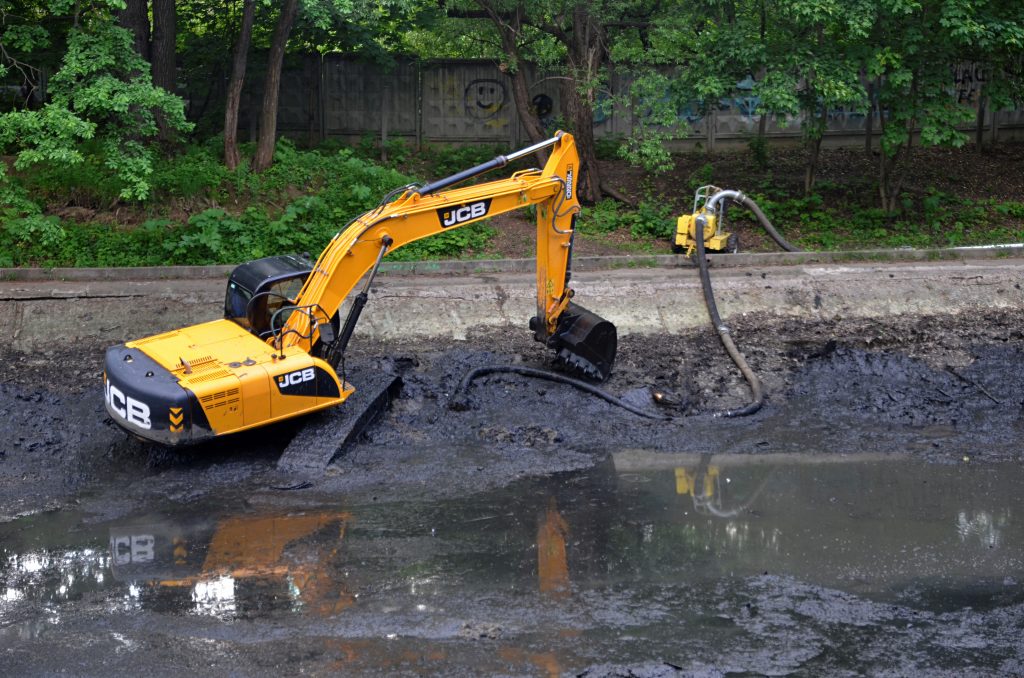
{"type": "Point", "coordinates": [274, 355]}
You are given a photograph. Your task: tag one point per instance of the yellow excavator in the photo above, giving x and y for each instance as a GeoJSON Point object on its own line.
{"type": "Point", "coordinates": [276, 352]}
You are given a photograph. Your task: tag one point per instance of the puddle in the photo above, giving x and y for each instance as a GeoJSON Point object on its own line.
{"type": "Point", "coordinates": [740, 563]}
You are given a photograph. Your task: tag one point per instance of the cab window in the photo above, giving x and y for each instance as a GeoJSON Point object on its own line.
{"type": "Point", "coordinates": [236, 302]}
{"type": "Point", "coordinates": [282, 293]}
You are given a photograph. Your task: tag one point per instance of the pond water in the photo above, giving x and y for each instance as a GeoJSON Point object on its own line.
{"type": "Point", "coordinates": [648, 562]}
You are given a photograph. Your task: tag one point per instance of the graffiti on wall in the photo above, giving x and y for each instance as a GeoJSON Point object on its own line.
{"type": "Point", "coordinates": [968, 79]}
{"type": "Point", "coordinates": [484, 98]}
{"type": "Point", "coordinates": [468, 101]}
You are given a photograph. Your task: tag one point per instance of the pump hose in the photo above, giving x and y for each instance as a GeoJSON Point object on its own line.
{"type": "Point", "coordinates": [724, 334]}
{"type": "Point", "coordinates": [460, 400]}
{"type": "Point", "coordinates": [747, 202]}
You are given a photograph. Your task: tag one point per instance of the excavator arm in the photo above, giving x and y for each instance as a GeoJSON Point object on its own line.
{"type": "Point", "coordinates": [422, 212]}
{"type": "Point", "coordinates": [275, 356]}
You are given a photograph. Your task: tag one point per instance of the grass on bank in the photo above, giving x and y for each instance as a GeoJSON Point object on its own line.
{"type": "Point", "coordinates": [201, 213]}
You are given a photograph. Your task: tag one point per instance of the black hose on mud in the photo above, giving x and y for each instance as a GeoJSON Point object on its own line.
{"type": "Point", "coordinates": [460, 400]}
{"type": "Point", "coordinates": [725, 335]}
{"type": "Point", "coordinates": [757, 392]}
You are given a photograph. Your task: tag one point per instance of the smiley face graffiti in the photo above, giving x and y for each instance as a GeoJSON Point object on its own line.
{"type": "Point", "coordinates": [484, 98]}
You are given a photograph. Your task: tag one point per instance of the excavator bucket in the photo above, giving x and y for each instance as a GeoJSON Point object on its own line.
{"type": "Point", "coordinates": [585, 343]}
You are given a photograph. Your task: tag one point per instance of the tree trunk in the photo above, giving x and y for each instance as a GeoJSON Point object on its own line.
{"type": "Point", "coordinates": [271, 88]}
{"type": "Point", "coordinates": [164, 35]}
{"type": "Point", "coordinates": [897, 186]}
{"type": "Point", "coordinates": [869, 122]}
{"type": "Point", "coordinates": [524, 109]}
{"type": "Point", "coordinates": [586, 55]}
{"type": "Point", "coordinates": [979, 131]}
{"type": "Point", "coordinates": [232, 158]}
{"type": "Point", "coordinates": [581, 116]}
{"type": "Point", "coordinates": [508, 31]}
{"type": "Point", "coordinates": [814, 152]}
{"type": "Point", "coordinates": [135, 17]}
{"type": "Point", "coordinates": [891, 178]}
{"type": "Point", "coordinates": [811, 166]}
{"type": "Point", "coordinates": [164, 66]}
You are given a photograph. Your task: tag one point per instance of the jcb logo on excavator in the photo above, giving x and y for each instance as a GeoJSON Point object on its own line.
{"type": "Point", "coordinates": [298, 383]}
{"type": "Point", "coordinates": [131, 410]}
{"type": "Point", "coordinates": [294, 378]}
{"type": "Point", "coordinates": [453, 216]}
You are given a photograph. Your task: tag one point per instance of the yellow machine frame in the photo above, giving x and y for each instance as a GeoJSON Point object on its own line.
{"type": "Point", "coordinates": [218, 377]}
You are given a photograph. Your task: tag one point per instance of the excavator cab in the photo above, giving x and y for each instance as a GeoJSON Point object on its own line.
{"type": "Point", "coordinates": [259, 289]}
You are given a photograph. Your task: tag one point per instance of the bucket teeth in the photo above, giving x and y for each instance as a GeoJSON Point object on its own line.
{"type": "Point", "coordinates": [585, 343]}
{"type": "Point", "coordinates": [574, 363]}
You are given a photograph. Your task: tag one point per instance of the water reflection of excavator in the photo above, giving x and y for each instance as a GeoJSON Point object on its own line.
{"type": "Point", "coordinates": [291, 554]}
{"type": "Point", "coordinates": [276, 354]}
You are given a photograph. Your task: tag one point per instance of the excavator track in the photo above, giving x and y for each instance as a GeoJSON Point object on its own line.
{"type": "Point", "coordinates": [325, 435]}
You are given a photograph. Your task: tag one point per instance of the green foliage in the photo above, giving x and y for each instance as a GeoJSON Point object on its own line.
{"type": "Point", "coordinates": [344, 187]}
{"type": "Point", "coordinates": [609, 147]}
{"type": "Point", "coordinates": [447, 160]}
{"type": "Point", "coordinates": [935, 219]}
{"type": "Point", "coordinates": [702, 176]}
{"type": "Point", "coordinates": [196, 173]}
{"type": "Point", "coordinates": [651, 219]}
{"type": "Point", "coordinates": [34, 231]}
{"type": "Point", "coordinates": [465, 240]}
{"type": "Point", "coordinates": [101, 91]}
{"type": "Point", "coordinates": [603, 217]}
{"type": "Point", "coordinates": [1011, 209]}
{"type": "Point", "coordinates": [758, 146]}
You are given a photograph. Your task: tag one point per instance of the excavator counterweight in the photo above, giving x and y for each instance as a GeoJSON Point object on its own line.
{"type": "Point", "coordinates": [275, 353]}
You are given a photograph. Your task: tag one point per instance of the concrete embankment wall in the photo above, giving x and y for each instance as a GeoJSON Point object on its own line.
{"type": "Point", "coordinates": [36, 312]}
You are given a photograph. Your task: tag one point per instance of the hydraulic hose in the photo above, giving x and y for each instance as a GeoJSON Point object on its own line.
{"type": "Point", "coordinates": [460, 401]}
{"type": "Point", "coordinates": [723, 331]}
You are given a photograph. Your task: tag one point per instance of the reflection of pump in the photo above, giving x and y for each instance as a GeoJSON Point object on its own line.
{"type": "Point", "coordinates": [686, 481]}
{"type": "Point", "coordinates": [707, 479]}
{"type": "Point", "coordinates": [294, 551]}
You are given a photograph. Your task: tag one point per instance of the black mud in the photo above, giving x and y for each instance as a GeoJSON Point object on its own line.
{"type": "Point", "coordinates": [943, 389]}
{"type": "Point", "coordinates": [508, 539]}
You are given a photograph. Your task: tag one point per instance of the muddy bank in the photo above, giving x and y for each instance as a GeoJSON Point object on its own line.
{"type": "Point", "coordinates": [942, 388]}
{"type": "Point", "coordinates": [543, 531]}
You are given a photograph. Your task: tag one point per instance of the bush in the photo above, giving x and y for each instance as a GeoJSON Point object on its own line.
{"type": "Point", "coordinates": [198, 172]}
{"type": "Point", "coordinates": [700, 177]}
{"type": "Point", "coordinates": [344, 186]}
{"type": "Point", "coordinates": [608, 148]}
{"type": "Point", "coordinates": [447, 244]}
{"type": "Point", "coordinates": [650, 219]}
{"type": "Point", "coordinates": [22, 235]}
{"type": "Point", "coordinates": [758, 146]}
{"type": "Point", "coordinates": [447, 160]}
{"type": "Point", "coordinates": [89, 183]}
{"type": "Point", "coordinates": [603, 217]}
{"type": "Point", "coordinates": [653, 219]}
